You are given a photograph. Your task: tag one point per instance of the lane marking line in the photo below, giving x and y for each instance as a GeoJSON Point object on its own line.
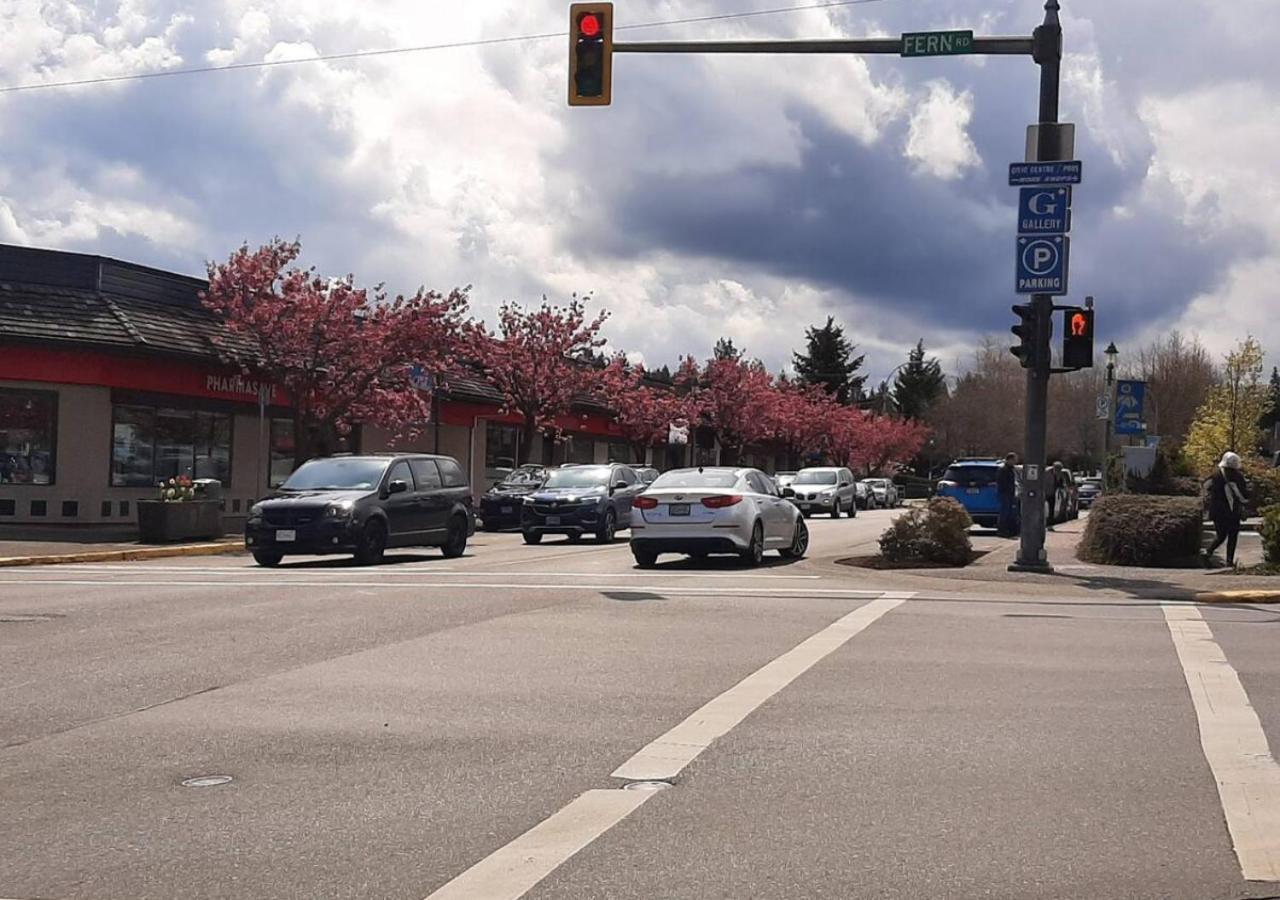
{"type": "Point", "coordinates": [665, 757]}
{"type": "Point", "coordinates": [512, 870]}
{"type": "Point", "coordinates": [405, 572]}
{"type": "Point", "coordinates": [518, 586]}
{"type": "Point", "coordinates": [1234, 744]}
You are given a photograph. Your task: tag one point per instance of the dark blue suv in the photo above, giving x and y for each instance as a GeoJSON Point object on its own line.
{"type": "Point", "coordinates": [973, 483]}
{"type": "Point", "coordinates": [578, 500]}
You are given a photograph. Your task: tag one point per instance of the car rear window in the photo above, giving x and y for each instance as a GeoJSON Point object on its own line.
{"type": "Point", "coordinates": [816, 478]}
{"type": "Point", "coordinates": [692, 478]}
{"type": "Point", "coordinates": [451, 472]}
{"type": "Point", "coordinates": [970, 475]}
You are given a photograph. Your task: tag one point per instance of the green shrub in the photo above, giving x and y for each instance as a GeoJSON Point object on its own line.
{"type": "Point", "coordinates": [1264, 483]}
{"type": "Point", "coordinates": [1270, 530]}
{"type": "Point", "coordinates": [1137, 530]}
{"type": "Point", "coordinates": [936, 533]}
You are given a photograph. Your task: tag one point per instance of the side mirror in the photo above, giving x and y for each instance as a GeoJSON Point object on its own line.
{"type": "Point", "coordinates": [617, 486]}
{"type": "Point", "coordinates": [397, 487]}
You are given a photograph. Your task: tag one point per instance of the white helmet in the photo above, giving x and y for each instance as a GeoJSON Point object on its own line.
{"type": "Point", "coordinates": [1230, 460]}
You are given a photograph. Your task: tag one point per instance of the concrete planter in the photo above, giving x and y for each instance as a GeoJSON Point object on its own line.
{"type": "Point", "coordinates": [161, 522]}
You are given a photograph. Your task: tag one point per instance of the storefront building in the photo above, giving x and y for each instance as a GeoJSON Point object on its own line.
{"type": "Point", "coordinates": [111, 381]}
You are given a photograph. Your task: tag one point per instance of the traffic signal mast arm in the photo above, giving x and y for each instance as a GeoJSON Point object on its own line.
{"type": "Point", "coordinates": [992, 46]}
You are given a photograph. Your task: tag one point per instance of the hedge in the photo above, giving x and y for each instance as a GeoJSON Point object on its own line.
{"type": "Point", "coordinates": [935, 533]}
{"type": "Point", "coordinates": [1140, 530]}
{"type": "Point", "coordinates": [1270, 531]}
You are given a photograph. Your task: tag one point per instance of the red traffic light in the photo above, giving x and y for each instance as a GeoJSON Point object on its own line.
{"type": "Point", "coordinates": [1079, 325]}
{"type": "Point", "coordinates": [589, 26]}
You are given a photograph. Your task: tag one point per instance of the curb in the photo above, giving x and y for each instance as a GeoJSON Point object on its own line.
{"type": "Point", "coordinates": [123, 555]}
{"type": "Point", "coordinates": [1259, 596]}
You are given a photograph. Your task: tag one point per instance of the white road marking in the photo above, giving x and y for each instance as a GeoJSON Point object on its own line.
{"type": "Point", "coordinates": [512, 870]}
{"type": "Point", "coordinates": [403, 571]}
{"type": "Point", "coordinates": [418, 585]}
{"type": "Point", "coordinates": [669, 754]}
{"type": "Point", "coordinates": [1234, 744]}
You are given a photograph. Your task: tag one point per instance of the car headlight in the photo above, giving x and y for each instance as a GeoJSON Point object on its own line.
{"type": "Point", "coordinates": [828, 492]}
{"type": "Point", "coordinates": [338, 510]}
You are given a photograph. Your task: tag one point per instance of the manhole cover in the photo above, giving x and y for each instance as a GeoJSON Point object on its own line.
{"type": "Point", "coordinates": [206, 781]}
{"type": "Point", "coordinates": [647, 786]}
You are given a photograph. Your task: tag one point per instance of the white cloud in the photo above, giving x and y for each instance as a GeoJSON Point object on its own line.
{"type": "Point", "coordinates": [937, 141]}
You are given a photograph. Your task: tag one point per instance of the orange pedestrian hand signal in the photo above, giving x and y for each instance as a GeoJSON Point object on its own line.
{"type": "Point", "coordinates": [1077, 339]}
{"type": "Point", "coordinates": [1079, 325]}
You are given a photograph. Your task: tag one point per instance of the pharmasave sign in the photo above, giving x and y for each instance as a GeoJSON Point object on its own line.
{"type": "Point", "coordinates": [240, 387]}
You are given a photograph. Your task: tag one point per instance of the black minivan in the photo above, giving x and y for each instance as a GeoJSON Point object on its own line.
{"type": "Point", "coordinates": [363, 505]}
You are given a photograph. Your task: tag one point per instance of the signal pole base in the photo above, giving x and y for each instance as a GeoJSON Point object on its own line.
{"type": "Point", "coordinates": [1038, 568]}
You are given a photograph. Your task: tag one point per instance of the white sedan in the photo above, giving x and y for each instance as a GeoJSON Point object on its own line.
{"type": "Point", "coordinates": [698, 512]}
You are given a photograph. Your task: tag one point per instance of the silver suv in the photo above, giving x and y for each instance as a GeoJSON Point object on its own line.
{"type": "Point", "coordinates": [826, 489]}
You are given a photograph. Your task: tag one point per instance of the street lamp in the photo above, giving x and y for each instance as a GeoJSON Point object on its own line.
{"type": "Point", "coordinates": [1111, 354]}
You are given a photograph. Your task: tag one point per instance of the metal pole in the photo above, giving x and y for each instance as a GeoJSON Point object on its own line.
{"type": "Point", "coordinates": [1106, 424]}
{"type": "Point", "coordinates": [982, 46]}
{"type": "Point", "coordinates": [1047, 52]}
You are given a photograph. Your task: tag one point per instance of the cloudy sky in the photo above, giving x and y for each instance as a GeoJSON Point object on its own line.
{"type": "Point", "coordinates": [744, 196]}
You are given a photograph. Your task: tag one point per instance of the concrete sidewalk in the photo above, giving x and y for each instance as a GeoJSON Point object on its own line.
{"type": "Point", "coordinates": [31, 545]}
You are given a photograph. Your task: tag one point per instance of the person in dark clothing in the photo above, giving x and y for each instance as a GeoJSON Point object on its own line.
{"type": "Point", "coordinates": [1228, 492]}
{"type": "Point", "coordinates": [1007, 489]}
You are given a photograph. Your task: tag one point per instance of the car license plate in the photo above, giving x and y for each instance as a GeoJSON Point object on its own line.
{"type": "Point", "coordinates": [679, 509]}
{"type": "Point", "coordinates": [803, 505]}
{"type": "Point", "coordinates": [553, 520]}
{"type": "Point", "coordinates": [507, 510]}
{"type": "Point", "coordinates": [974, 491]}
{"type": "Point", "coordinates": [286, 536]}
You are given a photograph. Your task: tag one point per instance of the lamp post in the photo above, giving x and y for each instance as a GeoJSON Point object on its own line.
{"type": "Point", "coordinates": [1111, 354]}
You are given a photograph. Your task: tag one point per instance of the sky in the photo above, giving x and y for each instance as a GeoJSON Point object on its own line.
{"type": "Point", "coordinates": [746, 197]}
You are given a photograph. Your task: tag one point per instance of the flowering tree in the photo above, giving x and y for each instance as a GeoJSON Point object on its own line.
{"type": "Point", "coordinates": [343, 353]}
{"type": "Point", "coordinates": [534, 360]}
{"type": "Point", "coordinates": [642, 412]}
{"type": "Point", "coordinates": [803, 418]}
{"type": "Point", "coordinates": [874, 443]}
{"type": "Point", "coordinates": [735, 399]}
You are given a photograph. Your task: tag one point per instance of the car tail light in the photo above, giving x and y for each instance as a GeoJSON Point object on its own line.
{"type": "Point", "coordinates": [645, 503]}
{"type": "Point", "coordinates": [722, 501]}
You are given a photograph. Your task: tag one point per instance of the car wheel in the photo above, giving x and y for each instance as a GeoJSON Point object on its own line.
{"type": "Point", "coordinates": [372, 544]}
{"type": "Point", "coordinates": [456, 544]}
{"type": "Point", "coordinates": [267, 558]}
{"type": "Point", "coordinates": [799, 543]}
{"type": "Point", "coordinates": [853, 508]}
{"type": "Point", "coordinates": [754, 554]}
{"type": "Point", "coordinates": [645, 559]}
{"type": "Point", "coordinates": [533, 537]}
{"type": "Point", "coordinates": [835, 508]}
{"type": "Point", "coordinates": [608, 529]}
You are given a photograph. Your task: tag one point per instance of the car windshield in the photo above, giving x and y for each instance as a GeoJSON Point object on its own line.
{"type": "Point", "coordinates": [692, 478]}
{"type": "Point", "coordinates": [816, 478]}
{"type": "Point", "coordinates": [336, 475]}
{"type": "Point", "coordinates": [524, 477]}
{"type": "Point", "coordinates": [578, 477]}
{"type": "Point", "coordinates": [971, 474]}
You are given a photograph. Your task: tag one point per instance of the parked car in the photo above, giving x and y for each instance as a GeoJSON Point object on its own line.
{"type": "Point", "coordinates": [698, 512]}
{"type": "Point", "coordinates": [866, 496]}
{"type": "Point", "coordinates": [885, 492]}
{"type": "Point", "coordinates": [363, 505]}
{"type": "Point", "coordinates": [783, 480]}
{"type": "Point", "coordinates": [1087, 491]}
{"type": "Point", "coordinates": [972, 482]}
{"type": "Point", "coordinates": [581, 500]}
{"type": "Point", "coordinates": [500, 505]}
{"type": "Point", "coordinates": [826, 489]}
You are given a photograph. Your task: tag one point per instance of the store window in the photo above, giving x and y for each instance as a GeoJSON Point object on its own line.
{"type": "Point", "coordinates": [621, 451]}
{"type": "Point", "coordinates": [582, 449]}
{"type": "Point", "coordinates": [281, 451]}
{"type": "Point", "coordinates": [501, 446]}
{"type": "Point", "coordinates": [152, 444]}
{"type": "Point", "coordinates": [28, 433]}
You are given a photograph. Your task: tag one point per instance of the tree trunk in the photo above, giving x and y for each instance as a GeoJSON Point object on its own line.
{"type": "Point", "coordinates": [526, 440]}
{"type": "Point", "coordinates": [638, 451]}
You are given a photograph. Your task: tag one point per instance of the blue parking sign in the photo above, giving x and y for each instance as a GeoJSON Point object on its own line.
{"type": "Point", "coordinates": [1042, 264]}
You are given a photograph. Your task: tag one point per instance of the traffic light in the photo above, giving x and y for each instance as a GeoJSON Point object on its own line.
{"type": "Point", "coordinates": [590, 54]}
{"type": "Point", "coordinates": [1077, 339]}
{"type": "Point", "coordinates": [1026, 333]}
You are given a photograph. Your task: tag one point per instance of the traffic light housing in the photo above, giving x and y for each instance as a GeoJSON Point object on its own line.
{"type": "Point", "coordinates": [1077, 339]}
{"type": "Point", "coordinates": [590, 54]}
{"type": "Point", "coordinates": [1027, 334]}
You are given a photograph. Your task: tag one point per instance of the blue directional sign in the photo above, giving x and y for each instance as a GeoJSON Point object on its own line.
{"type": "Point", "coordinates": [1130, 399]}
{"type": "Point", "coordinates": [1042, 264]}
{"type": "Point", "coordinates": [1071, 172]}
{"type": "Point", "coordinates": [1044, 210]}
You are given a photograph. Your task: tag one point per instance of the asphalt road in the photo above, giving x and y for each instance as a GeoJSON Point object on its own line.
{"type": "Point", "coordinates": [456, 726]}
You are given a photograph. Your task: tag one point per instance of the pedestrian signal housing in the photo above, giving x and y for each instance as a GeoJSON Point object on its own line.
{"type": "Point", "coordinates": [590, 54]}
{"type": "Point", "coordinates": [1077, 339]}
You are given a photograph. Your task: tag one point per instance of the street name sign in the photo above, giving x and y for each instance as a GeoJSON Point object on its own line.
{"type": "Point", "coordinates": [937, 43]}
{"type": "Point", "coordinates": [1044, 210]}
{"type": "Point", "coordinates": [1068, 172]}
{"type": "Point", "coordinates": [1042, 264]}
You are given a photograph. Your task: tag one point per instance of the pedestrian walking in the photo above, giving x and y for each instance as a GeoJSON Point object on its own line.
{"type": "Point", "coordinates": [1228, 492]}
{"type": "Point", "coordinates": [1057, 494]}
{"type": "Point", "coordinates": [1007, 489]}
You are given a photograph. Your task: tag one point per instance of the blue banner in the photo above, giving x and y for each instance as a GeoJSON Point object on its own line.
{"type": "Point", "coordinates": [1130, 401]}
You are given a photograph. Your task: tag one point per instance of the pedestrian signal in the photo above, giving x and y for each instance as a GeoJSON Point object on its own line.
{"type": "Point", "coordinates": [1077, 340]}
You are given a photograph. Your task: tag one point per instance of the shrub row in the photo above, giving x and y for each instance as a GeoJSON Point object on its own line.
{"type": "Point", "coordinates": [1139, 530]}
